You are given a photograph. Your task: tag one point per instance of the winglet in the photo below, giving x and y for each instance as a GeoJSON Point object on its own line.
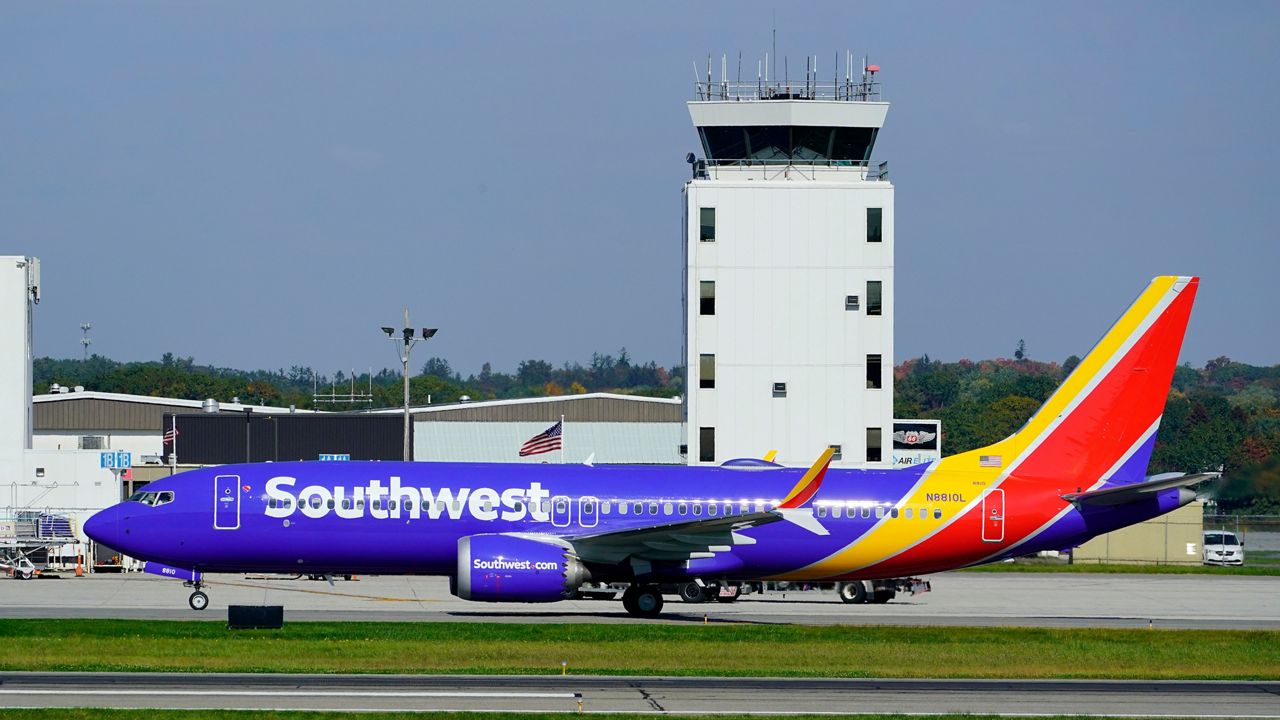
{"type": "Point", "coordinates": [769, 456]}
{"type": "Point", "coordinates": [809, 484]}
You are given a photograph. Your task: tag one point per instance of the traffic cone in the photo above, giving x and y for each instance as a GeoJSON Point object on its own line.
{"type": "Point", "coordinates": [79, 565]}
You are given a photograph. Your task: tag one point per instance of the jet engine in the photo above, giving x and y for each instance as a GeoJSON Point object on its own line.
{"type": "Point", "coordinates": [513, 568]}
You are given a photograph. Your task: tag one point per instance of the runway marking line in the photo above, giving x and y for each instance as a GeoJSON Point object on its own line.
{"type": "Point", "coordinates": [289, 693]}
{"type": "Point", "coordinates": [736, 713]}
{"type": "Point", "coordinates": [330, 593]}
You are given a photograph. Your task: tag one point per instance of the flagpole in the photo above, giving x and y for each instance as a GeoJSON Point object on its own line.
{"type": "Point", "coordinates": [561, 439]}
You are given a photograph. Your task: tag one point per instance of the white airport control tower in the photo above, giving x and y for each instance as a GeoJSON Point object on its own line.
{"type": "Point", "coordinates": [789, 272]}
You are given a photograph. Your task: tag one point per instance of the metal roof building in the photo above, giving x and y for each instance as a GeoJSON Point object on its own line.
{"type": "Point", "coordinates": [603, 427]}
{"type": "Point", "coordinates": [89, 420]}
{"type": "Point", "coordinates": [614, 428]}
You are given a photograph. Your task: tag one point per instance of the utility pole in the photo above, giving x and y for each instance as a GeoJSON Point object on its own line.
{"type": "Point", "coordinates": [85, 340]}
{"type": "Point", "coordinates": [404, 351]}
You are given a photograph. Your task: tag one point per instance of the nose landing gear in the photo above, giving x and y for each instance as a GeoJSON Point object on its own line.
{"type": "Point", "coordinates": [198, 600]}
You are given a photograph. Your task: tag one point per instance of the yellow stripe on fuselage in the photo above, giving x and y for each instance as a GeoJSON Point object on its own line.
{"type": "Point", "coordinates": [964, 475]}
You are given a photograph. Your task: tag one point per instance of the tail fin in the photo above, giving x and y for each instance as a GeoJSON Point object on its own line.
{"type": "Point", "coordinates": [1101, 423]}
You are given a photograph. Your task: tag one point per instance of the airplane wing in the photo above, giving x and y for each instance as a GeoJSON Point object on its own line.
{"type": "Point", "coordinates": [1122, 494]}
{"type": "Point", "coordinates": [703, 537]}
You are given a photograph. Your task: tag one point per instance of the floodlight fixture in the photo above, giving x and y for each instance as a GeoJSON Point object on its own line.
{"type": "Point", "coordinates": [404, 346]}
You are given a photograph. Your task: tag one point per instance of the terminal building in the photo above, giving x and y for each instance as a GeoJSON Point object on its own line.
{"type": "Point", "coordinates": [788, 288]}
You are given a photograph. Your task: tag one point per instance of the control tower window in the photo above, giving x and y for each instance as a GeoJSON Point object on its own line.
{"type": "Point", "coordinates": [782, 144]}
{"type": "Point", "coordinates": [768, 143]}
{"type": "Point", "coordinates": [706, 371]}
{"type": "Point", "coordinates": [874, 224]}
{"type": "Point", "coordinates": [873, 297]}
{"type": "Point", "coordinates": [873, 445]}
{"type": "Point", "coordinates": [873, 372]}
{"type": "Point", "coordinates": [706, 444]}
{"type": "Point", "coordinates": [707, 224]}
{"type": "Point", "coordinates": [707, 297]}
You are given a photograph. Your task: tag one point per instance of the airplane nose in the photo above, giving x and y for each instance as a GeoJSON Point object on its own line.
{"type": "Point", "coordinates": [102, 527]}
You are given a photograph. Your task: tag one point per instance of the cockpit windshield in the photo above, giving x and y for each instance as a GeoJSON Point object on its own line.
{"type": "Point", "coordinates": [152, 498]}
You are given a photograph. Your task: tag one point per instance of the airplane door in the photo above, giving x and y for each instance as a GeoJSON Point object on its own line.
{"type": "Point", "coordinates": [993, 516]}
{"type": "Point", "coordinates": [226, 502]}
{"type": "Point", "coordinates": [588, 511]}
{"type": "Point", "coordinates": [560, 511]}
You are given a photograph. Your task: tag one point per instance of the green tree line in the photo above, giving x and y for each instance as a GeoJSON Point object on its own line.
{"type": "Point", "coordinates": [179, 377]}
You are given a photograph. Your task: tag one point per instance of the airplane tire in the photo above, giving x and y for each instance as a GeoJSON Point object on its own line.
{"type": "Point", "coordinates": [692, 593]}
{"type": "Point", "coordinates": [852, 593]}
{"type": "Point", "coordinates": [198, 600]}
{"type": "Point", "coordinates": [645, 601]}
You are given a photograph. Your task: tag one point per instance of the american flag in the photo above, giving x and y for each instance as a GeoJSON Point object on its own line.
{"type": "Point", "coordinates": [545, 441]}
{"type": "Point", "coordinates": [169, 435]}
{"type": "Point", "coordinates": [990, 461]}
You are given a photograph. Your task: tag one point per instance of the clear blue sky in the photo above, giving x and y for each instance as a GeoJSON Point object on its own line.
{"type": "Point", "coordinates": [264, 184]}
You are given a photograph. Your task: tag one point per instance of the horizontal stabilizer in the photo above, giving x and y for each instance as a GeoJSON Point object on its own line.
{"type": "Point", "coordinates": [1121, 494]}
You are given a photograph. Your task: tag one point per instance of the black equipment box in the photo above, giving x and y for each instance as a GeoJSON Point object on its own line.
{"type": "Point", "coordinates": [255, 617]}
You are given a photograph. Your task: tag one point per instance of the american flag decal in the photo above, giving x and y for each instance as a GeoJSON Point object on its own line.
{"type": "Point", "coordinates": [545, 441]}
{"type": "Point", "coordinates": [990, 461]}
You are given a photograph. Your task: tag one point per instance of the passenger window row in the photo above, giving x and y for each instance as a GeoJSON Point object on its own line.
{"type": "Point", "coordinates": [624, 507]}
{"type": "Point", "coordinates": [835, 511]}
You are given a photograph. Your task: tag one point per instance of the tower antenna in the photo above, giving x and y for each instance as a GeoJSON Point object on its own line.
{"type": "Point", "coordinates": [85, 340]}
{"type": "Point", "coordinates": [739, 71]}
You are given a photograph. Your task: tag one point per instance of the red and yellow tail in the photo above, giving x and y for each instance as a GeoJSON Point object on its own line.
{"type": "Point", "coordinates": [1109, 407]}
{"type": "Point", "coordinates": [1097, 428]}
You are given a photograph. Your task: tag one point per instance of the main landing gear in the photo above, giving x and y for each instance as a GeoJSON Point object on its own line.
{"type": "Point", "coordinates": [644, 601]}
{"type": "Point", "coordinates": [198, 600]}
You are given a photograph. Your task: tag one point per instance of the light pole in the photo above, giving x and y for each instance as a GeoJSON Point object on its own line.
{"type": "Point", "coordinates": [404, 349]}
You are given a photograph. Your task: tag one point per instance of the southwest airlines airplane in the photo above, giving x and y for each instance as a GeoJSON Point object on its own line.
{"type": "Point", "coordinates": [536, 533]}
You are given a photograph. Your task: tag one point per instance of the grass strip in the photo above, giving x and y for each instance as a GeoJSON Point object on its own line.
{"type": "Point", "coordinates": [1031, 566]}
{"type": "Point", "coordinates": [715, 649]}
{"type": "Point", "coordinates": [103, 714]}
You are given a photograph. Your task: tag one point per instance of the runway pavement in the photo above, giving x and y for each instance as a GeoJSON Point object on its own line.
{"type": "Point", "coordinates": [734, 696]}
{"type": "Point", "coordinates": [969, 599]}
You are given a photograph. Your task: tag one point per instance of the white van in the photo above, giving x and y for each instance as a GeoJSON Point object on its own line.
{"type": "Point", "coordinates": [1222, 548]}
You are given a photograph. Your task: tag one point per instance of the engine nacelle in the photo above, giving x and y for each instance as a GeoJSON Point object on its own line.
{"type": "Point", "coordinates": [511, 568]}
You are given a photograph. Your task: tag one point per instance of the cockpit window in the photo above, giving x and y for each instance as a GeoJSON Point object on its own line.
{"type": "Point", "coordinates": [152, 498]}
